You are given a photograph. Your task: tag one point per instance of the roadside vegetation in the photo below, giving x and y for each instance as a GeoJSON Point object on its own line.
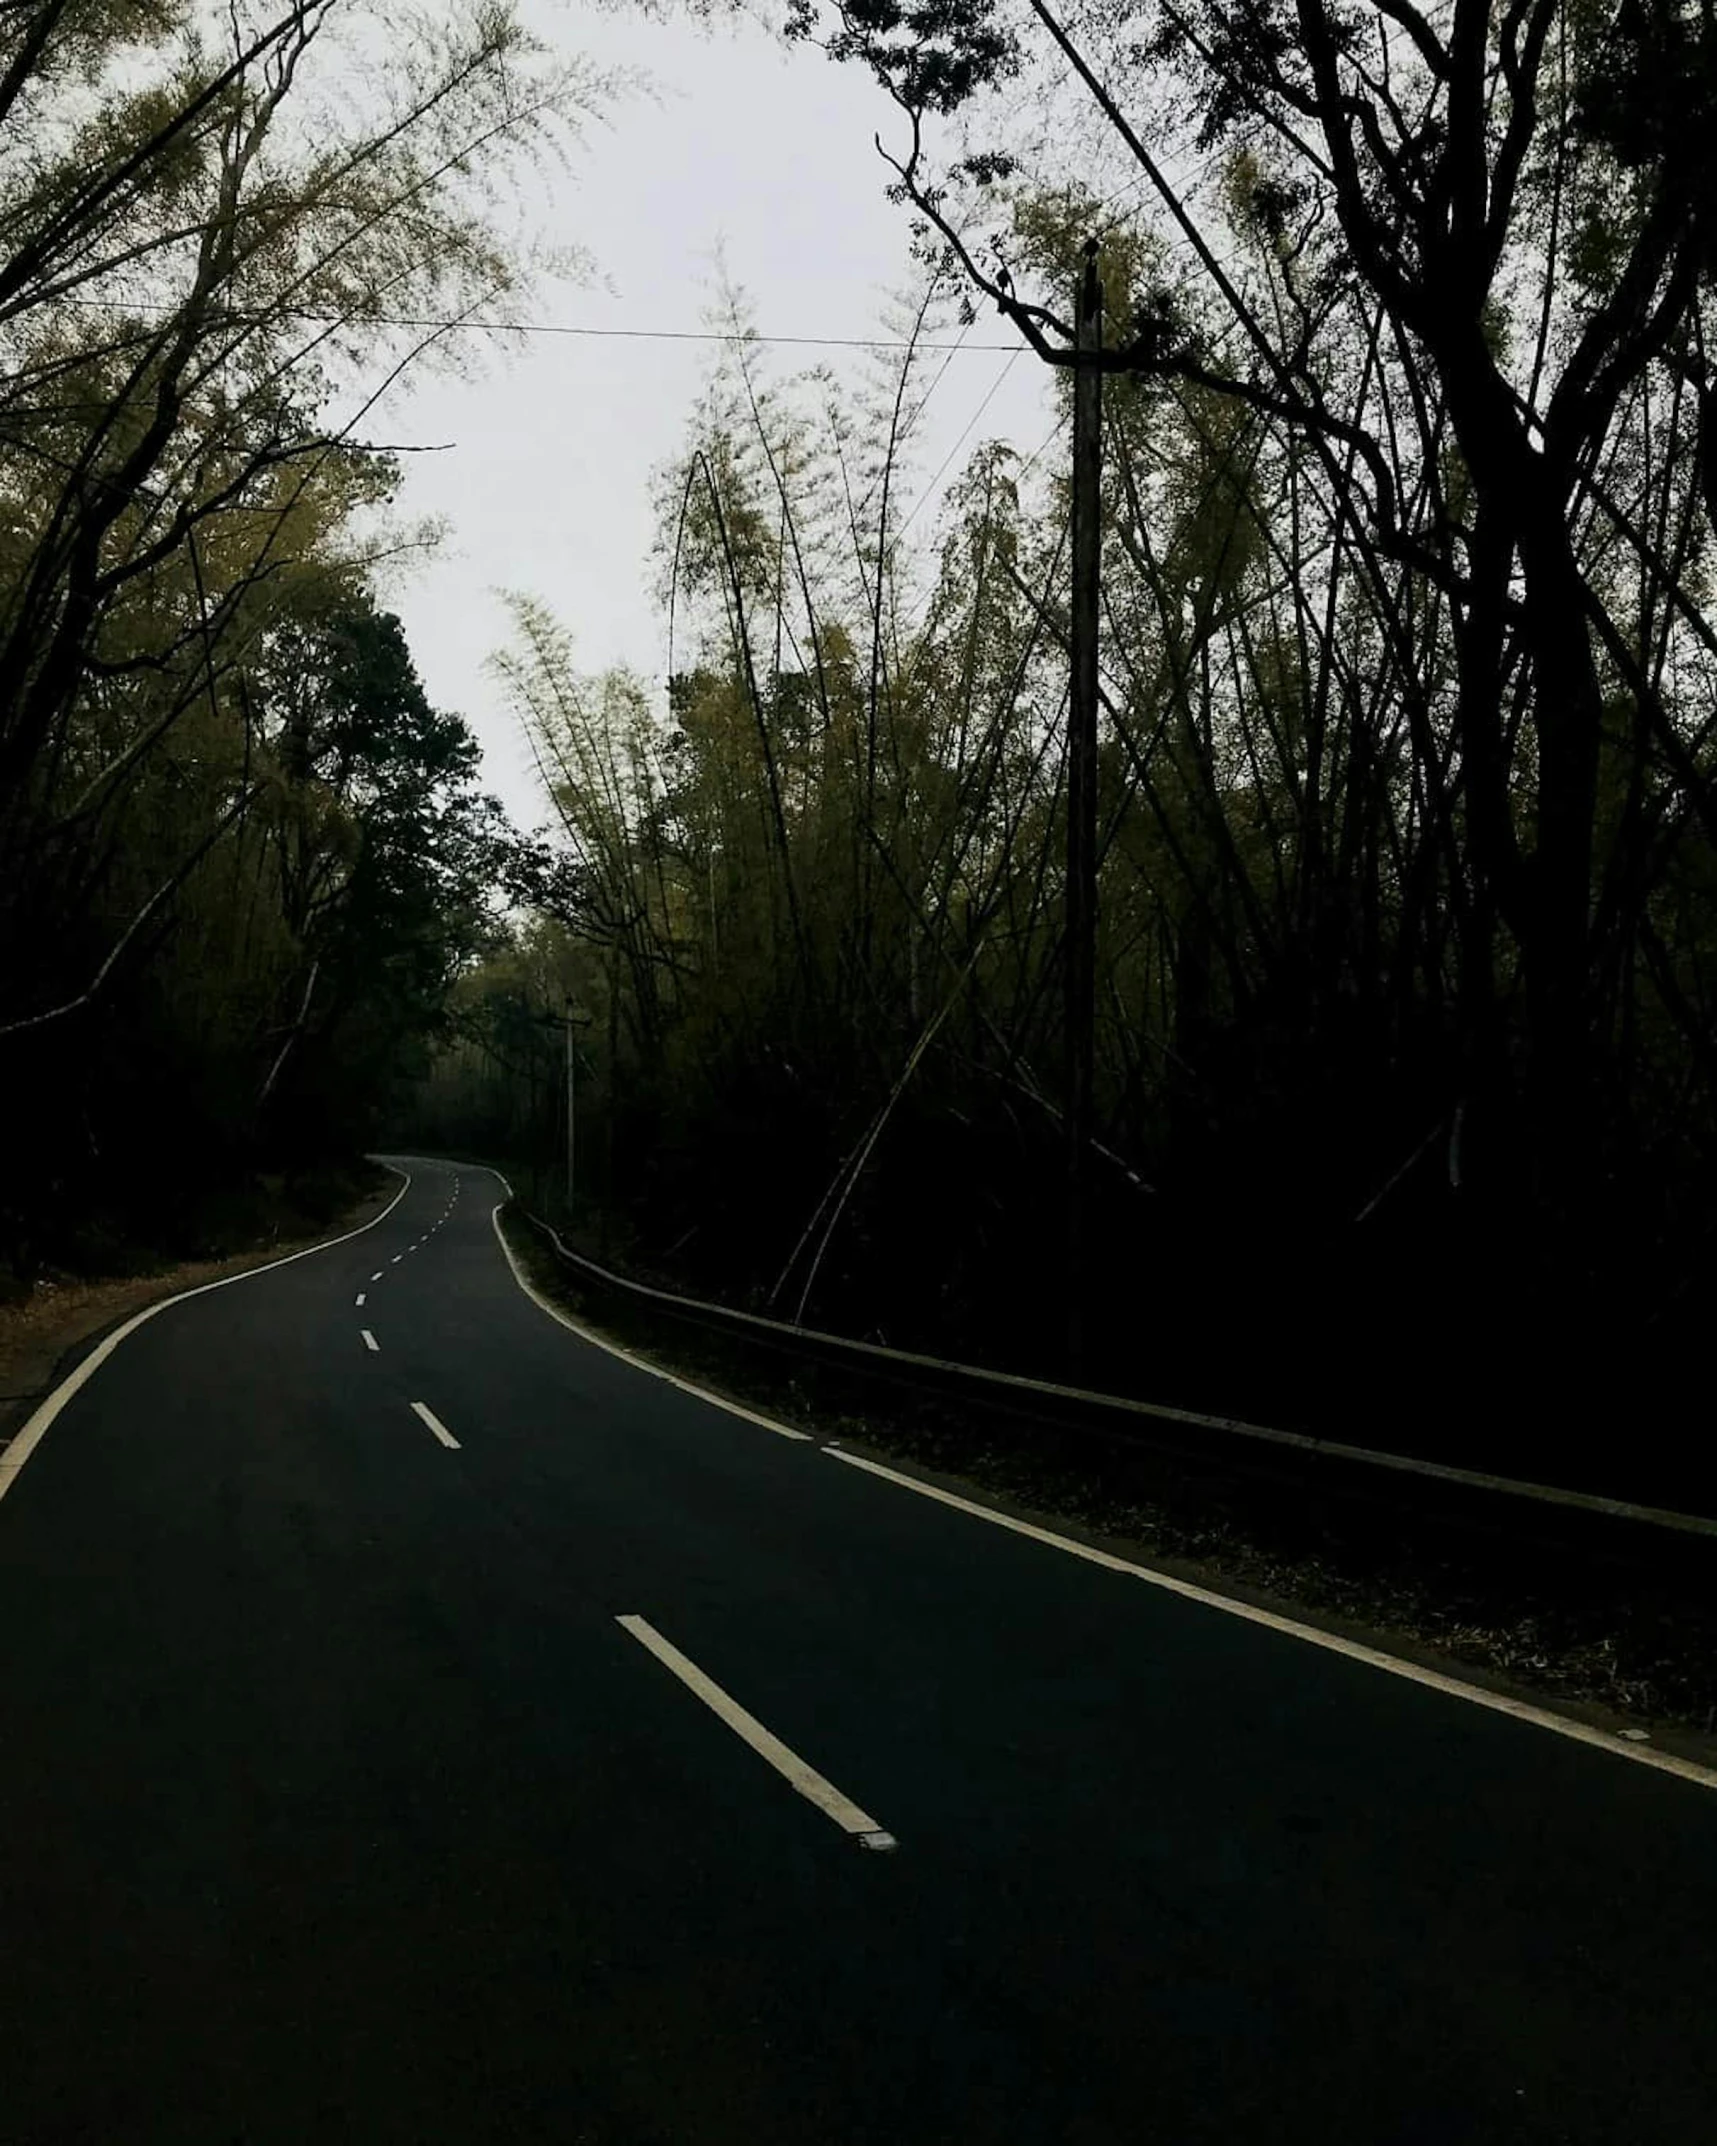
{"type": "Point", "coordinates": [1404, 1118]}
{"type": "Point", "coordinates": [1407, 914]}
{"type": "Point", "coordinates": [241, 856]}
{"type": "Point", "coordinates": [1612, 1624]}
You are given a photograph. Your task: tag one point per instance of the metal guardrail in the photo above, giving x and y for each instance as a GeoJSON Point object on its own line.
{"type": "Point", "coordinates": [1122, 1406]}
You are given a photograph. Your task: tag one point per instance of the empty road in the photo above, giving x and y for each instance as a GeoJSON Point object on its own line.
{"type": "Point", "coordinates": [419, 1724]}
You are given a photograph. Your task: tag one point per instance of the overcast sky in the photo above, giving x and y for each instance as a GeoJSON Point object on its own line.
{"type": "Point", "coordinates": [546, 489]}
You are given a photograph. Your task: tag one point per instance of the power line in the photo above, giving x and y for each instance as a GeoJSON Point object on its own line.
{"type": "Point", "coordinates": [917, 612]}
{"type": "Point", "coordinates": [1054, 433]}
{"type": "Point", "coordinates": [695, 335]}
{"type": "Point", "coordinates": [917, 411]}
{"type": "Point", "coordinates": [941, 371]}
{"type": "Point", "coordinates": [930, 488]}
{"type": "Point", "coordinates": [567, 328]}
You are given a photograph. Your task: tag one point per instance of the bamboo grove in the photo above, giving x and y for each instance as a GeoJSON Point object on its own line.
{"type": "Point", "coordinates": [241, 857]}
{"type": "Point", "coordinates": [1408, 694]}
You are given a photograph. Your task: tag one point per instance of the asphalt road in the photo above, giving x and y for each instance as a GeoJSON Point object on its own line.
{"type": "Point", "coordinates": [337, 1804]}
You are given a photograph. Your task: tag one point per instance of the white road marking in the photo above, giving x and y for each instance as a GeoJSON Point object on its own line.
{"type": "Point", "coordinates": [793, 1769]}
{"type": "Point", "coordinates": [638, 1363]}
{"type": "Point", "coordinates": [37, 1426]}
{"type": "Point", "coordinates": [1392, 1665]}
{"type": "Point", "coordinates": [1373, 1657]}
{"type": "Point", "coordinates": [376, 1277]}
{"type": "Point", "coordinates": [436, 1425]}
{"type": "Point", "coordinates": [360, 1299]}
{"type": "Point", "coordinates": [370, 1341]}
{"type": "Point", "coordinates": [394, 1262]}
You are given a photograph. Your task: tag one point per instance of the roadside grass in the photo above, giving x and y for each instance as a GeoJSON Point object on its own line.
{"type": "Point", "coordinates": [43, 1331]}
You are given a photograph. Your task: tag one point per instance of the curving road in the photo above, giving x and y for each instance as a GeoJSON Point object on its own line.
{"type": "Point", "coordinates": [337, 1801]}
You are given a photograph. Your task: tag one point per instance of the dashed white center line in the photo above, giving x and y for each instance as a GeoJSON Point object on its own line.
{"type": "Point", "coordinates": [376, 1277]}
{"type": "Point", "coordinates": [435, 1424]}
{"type": "Point", "coordinates": [370, 1341]}
{"type": "Point", "coordinates": [394, 1262]}
{"type": "Point", "coordinates": [792, 1769]}
{"type": "Point", "coordinates": [360, 1299]}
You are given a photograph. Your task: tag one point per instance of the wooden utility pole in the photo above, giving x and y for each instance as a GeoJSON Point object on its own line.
{"type": "Point", "coordinates": [612, 1105]}
{"type": "Point", "coordinates": [1081, 921]}
{"type": "Point", "coordinates": [571, 1106]}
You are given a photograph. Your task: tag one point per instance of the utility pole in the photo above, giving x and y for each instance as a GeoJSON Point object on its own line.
{"type": "Point", "coordinates": [571, 1106]}
{"type": "Point", "coordinates": [611, 1102]}
{"type": "Point", "coordinates": [1081, 914]}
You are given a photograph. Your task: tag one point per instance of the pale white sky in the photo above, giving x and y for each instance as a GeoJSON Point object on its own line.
{"type": "Point", "coordinates": [764, 150]}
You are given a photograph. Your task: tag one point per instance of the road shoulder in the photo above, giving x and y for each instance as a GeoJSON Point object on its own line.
{"type": "Point", "coordinates": [1622, 1651]}
{"type": "Point", "coordinates": [44, 1338]}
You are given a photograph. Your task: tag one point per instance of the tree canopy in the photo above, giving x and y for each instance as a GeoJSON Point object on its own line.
{"type": "Point", "coordinates": [1406, 942]}
{"type": "Point", "coordinates": [240, 855]}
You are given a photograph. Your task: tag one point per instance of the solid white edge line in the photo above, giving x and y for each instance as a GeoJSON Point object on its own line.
{"type": "Point", "coordinates": [13, 1456]}
{"type": "Point", "coordinates": [746, 1726]}
{"type": "Point", "coordinates": [370, 1341]}
{"type": "Point", "coordinates": [1354, 1650]}
{"type": "Point", "coordinates": [638, 1363]}
{"type": "Point", "coordinates": [435, 1424]}
{"type": "Point", "coordinates": [1579, 1732]}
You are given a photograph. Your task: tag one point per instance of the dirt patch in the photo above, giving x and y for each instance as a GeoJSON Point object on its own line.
{"type": "Point", "coordinates": [42, 1337]}
{"type": "Point", "coordinates": [1624, 1640]}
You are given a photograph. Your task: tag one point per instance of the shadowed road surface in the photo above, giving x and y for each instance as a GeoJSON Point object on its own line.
{"type": "Point", "coordinates": [337, 1804]}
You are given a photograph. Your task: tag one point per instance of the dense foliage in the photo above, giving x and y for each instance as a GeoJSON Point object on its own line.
{"type": "Point", "coordinates": [1409, 691]}
{"type": "Point", "coordinates": [240, 856]}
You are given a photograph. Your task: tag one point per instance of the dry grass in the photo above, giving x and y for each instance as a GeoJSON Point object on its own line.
{"type": "Point", "coordinates": [39, 1334]}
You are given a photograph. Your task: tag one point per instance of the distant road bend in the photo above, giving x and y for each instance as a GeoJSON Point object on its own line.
{"type": "Point", "coordinates": [421, 1724]}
